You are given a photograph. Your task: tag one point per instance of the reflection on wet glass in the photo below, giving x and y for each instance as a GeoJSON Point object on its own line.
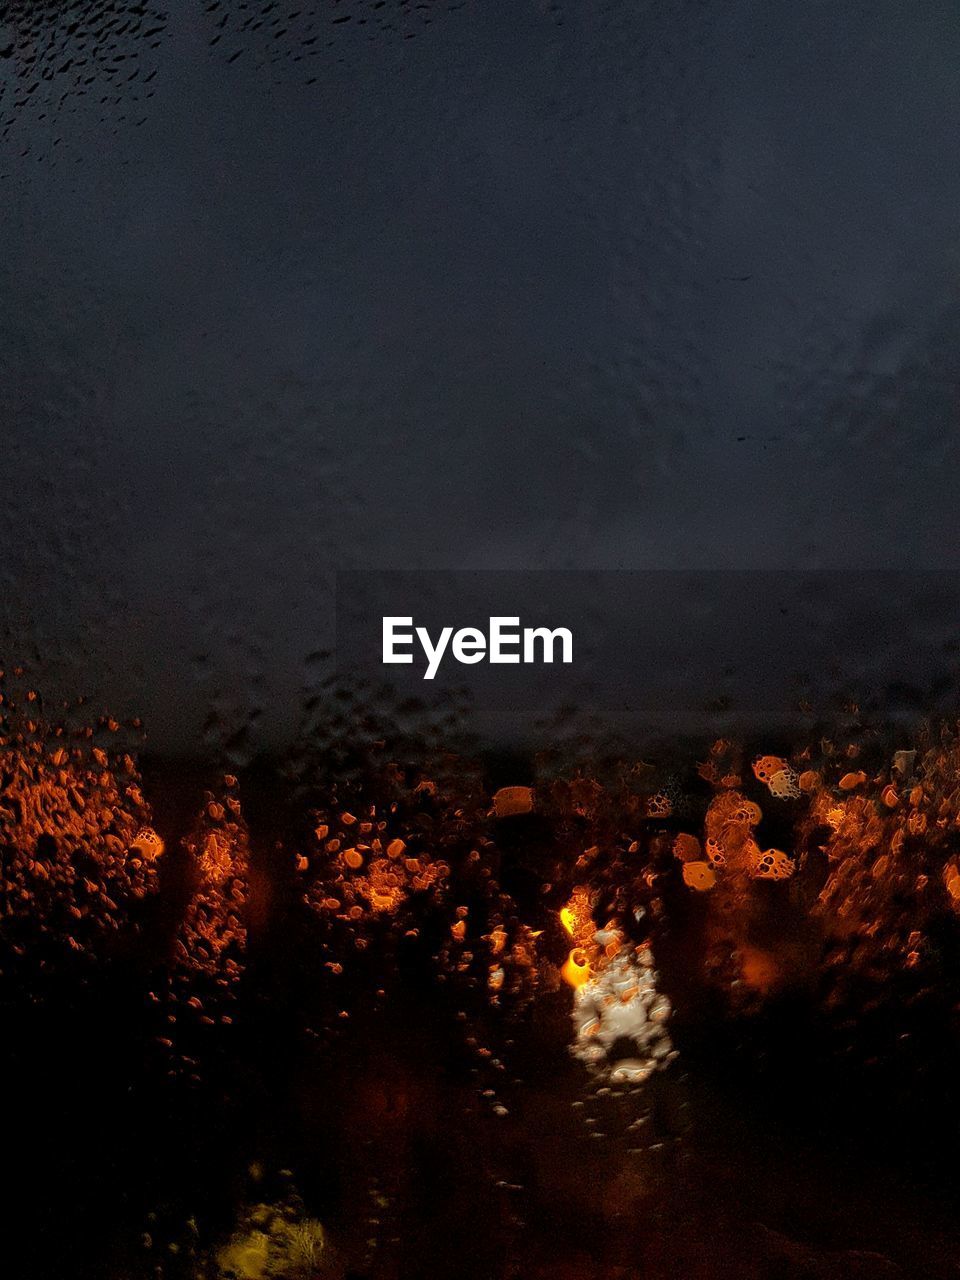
{"type": "Point", "coordinates": [383, 1018]}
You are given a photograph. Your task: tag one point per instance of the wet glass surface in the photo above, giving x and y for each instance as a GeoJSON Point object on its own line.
{"type": "Point", "coordinates": [295, 288]}
{"type": "Point", "coordinates": [502, 1015]}
{"type": "Point", "coordinates": [651, 973]}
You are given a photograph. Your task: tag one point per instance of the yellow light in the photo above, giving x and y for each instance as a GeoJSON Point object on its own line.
{"type": "Point", "coordinates": [576, 971]}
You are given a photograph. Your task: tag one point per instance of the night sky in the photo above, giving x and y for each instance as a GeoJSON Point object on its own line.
{"type": "Point", "coordinates": [293, 288]}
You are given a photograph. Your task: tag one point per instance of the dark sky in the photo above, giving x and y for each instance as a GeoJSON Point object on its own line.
{"type": "Point", "coordinates": [293, 288]}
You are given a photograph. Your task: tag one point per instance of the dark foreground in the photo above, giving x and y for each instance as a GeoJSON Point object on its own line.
{"type": "Point", "coordinates": [215, 1066]}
